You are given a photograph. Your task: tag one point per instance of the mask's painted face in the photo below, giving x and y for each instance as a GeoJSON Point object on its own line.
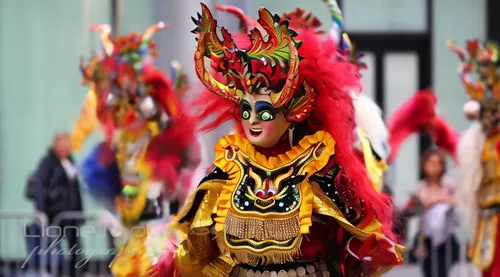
{"type": "Point", "coordinates": [263, 124]}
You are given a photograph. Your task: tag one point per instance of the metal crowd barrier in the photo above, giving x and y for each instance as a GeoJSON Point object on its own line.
{"type": "Point", "coordinates": [16, 260]}
{"type": "Point", "coordinates": [50, 255]}
{"type": "Point", "coordinates": [94, 251]}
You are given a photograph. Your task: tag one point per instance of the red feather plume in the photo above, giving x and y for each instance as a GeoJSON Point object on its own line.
{"type": "Point", "coordinates": [167, 152]}
{"type": "Point", "coordinates": [410, 118]}
{"type": "Point", "coordinates": [418, 114]}
{"type": "Point", "coordinates": [444, 136]}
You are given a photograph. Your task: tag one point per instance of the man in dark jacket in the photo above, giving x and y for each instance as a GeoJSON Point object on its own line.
{"type": "Point", "coordinates": [54, 187]}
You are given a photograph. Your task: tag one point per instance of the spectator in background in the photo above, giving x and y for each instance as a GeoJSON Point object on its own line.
{"type": "Point", "coordinates": [54, 189]}
{"type": "Point", "coordinates": [435, 195]}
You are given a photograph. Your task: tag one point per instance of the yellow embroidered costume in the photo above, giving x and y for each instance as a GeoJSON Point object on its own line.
{"type": "Point", "coordinates": [250, 229]}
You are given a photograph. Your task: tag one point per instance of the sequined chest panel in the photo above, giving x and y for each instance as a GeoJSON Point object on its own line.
{"type": "Point", "coordinates": [268, 191]}
{"type": "Point", "coordinates": [263, 222]}
{"type": "Point", "coordinates": [488, 193]}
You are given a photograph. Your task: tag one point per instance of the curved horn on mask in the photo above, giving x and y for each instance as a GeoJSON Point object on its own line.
{"type": "Point", "coordinates": [106, 42]}
{"type": "Point", "coordinates": [474, 86]}
{"type": "Point", "coordinates": [248, 23]}
{"type": "Point", "coordinates": [153, 29]}
{"type": "Point", "coordinates": [209, 43]}
{"type": "Point", "coordinates": [452, 45]}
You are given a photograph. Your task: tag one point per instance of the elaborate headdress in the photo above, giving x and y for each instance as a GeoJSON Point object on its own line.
{"type": "Point", "coordinates": [479, 69]}
{"type": "Point", "coordinates": [269, 62]}
{"type": "Point", "coordinates": [134, 50]}
{"type": "Point", "coordinates": [124, 77]}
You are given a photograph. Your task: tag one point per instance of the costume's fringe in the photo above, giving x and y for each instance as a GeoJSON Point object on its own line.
{"type": "Point", "coordinates": [470, 150]}
{"type": "Point", "coordinates": [368, 118]}
{"type": "Point", "coordinates": [245, 256]}
{"type": "Point", "coordinates": [278, 229]}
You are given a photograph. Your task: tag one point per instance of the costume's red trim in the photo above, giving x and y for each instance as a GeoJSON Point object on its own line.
{"type": "Point", "coordinates": [167, 151]}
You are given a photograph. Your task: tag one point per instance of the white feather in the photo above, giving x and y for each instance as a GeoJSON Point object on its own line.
{"type": "Point", "coordinates": [356, 140]}
{"type": "Point", "coordinates": [369, 119]}
{"type": "Point", "coordinates": [470, 170]}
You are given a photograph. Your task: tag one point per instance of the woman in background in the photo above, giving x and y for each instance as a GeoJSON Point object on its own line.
{"type": "Point", "coordinates": [55, 189]}
{"type": "Point", "coordinates": [436, 195]}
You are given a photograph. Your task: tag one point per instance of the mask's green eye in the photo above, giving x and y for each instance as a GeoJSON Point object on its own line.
{"type": "Point", "coordinates": [266, 116]}
{"type": "Point", "coordinates": [245, 114]}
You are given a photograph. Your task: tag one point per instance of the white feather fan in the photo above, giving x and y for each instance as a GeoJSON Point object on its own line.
{"type": "Point", "coordinates": [470, 170]}
{"type": "Point", "coordinates": [369, 119]}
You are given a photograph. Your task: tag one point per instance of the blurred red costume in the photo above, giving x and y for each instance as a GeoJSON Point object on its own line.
{"type": "Point", "coordinates": [148, 136]}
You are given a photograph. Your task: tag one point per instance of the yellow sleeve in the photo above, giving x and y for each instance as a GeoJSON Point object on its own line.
{"type": "Point", "coordinates": [199, 253]}
{"type": "Point", "coordinates": [86, 122]}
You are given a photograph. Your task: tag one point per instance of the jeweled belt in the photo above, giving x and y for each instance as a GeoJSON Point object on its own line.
{"type": "Point", "coordinates": [314, 268]}
{"type": "Point", "coordinates": [250, 228]}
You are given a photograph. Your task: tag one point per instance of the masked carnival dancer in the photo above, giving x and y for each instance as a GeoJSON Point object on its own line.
{"type": "Point", "coordinates": [478, 150]}
{"type": "Point", "coordinates": [149, 148]}
{"type": "Point", "coordinates": [287, 195]}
